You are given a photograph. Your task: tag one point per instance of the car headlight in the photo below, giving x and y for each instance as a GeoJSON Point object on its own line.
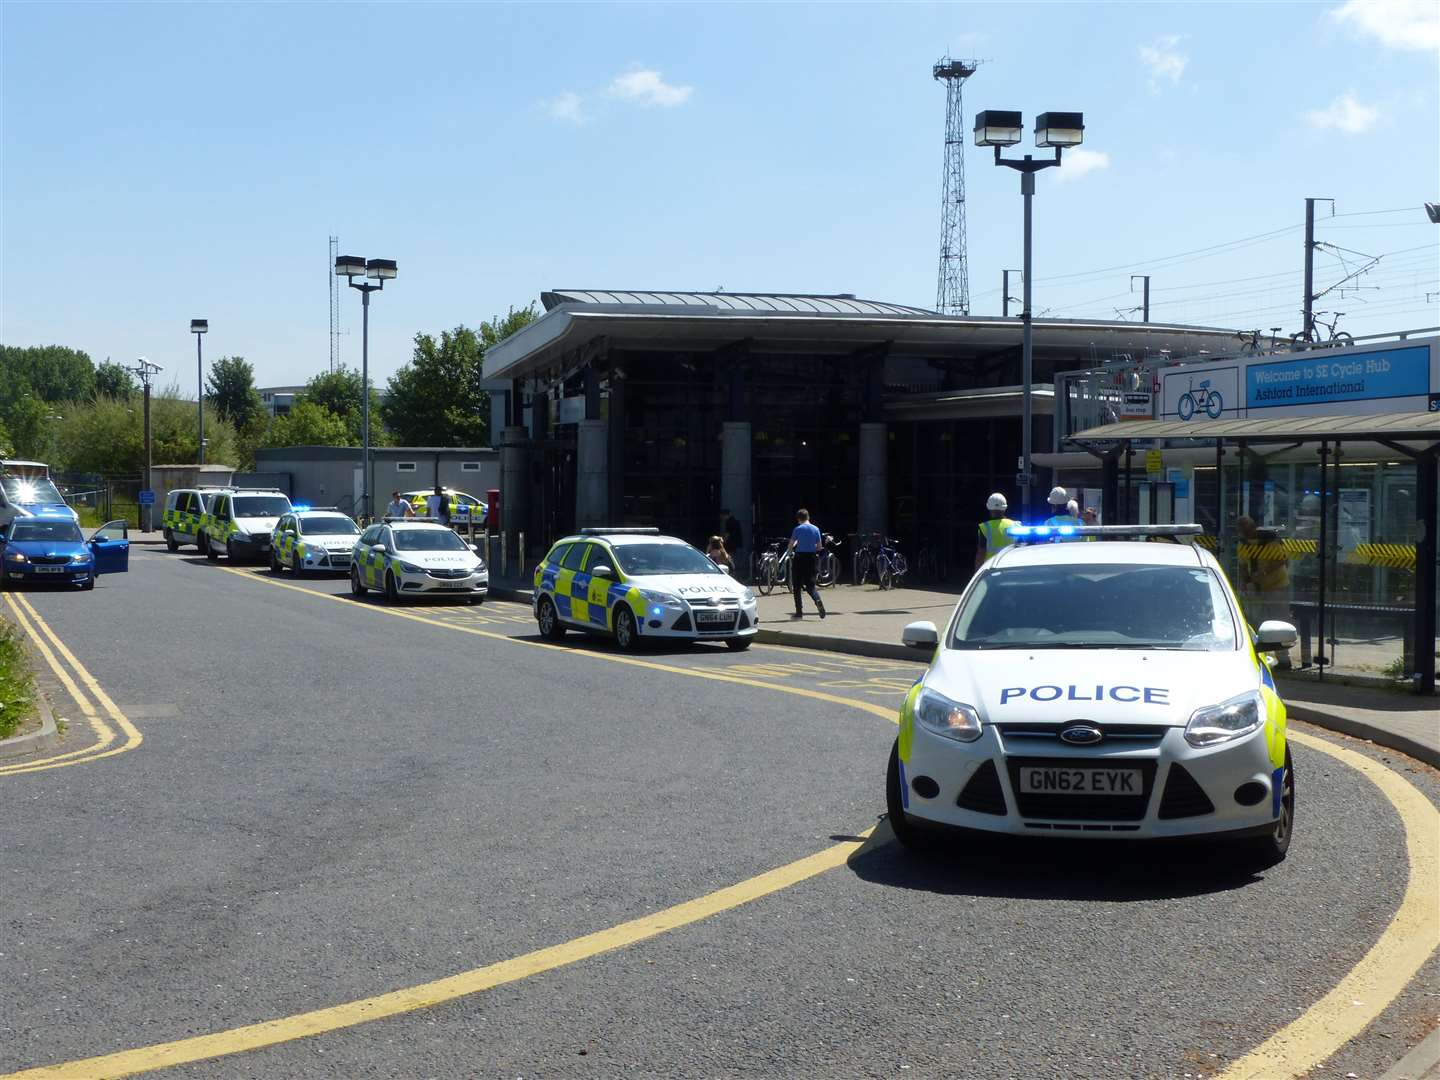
{"type": "Point", "coordinates": [662, 598]}
{"type": "Point", "coordinates": [16, 556]}
{"type": "Point", "coordinates": [1229, 720]}
{"type": "Point", "coordinates": [83, 557]}
{"type": "Point", "coordinates": [748, 596]}
{"type": "Point", "coordinates": [939, 714]}
{"type": "Point", "coordinates": [410, 568]}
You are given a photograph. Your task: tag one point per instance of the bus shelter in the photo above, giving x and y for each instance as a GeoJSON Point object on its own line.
{"type": "Point", "coordinates": [1328, 522]}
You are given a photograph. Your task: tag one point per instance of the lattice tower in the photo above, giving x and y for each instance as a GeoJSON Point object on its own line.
{"type": "Point", "coordinates": [952, 289]}
{"type": "Point", "coordinates": [334, 305]}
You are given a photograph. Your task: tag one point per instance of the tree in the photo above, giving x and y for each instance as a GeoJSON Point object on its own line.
{"type": "Point", "coordinates": [231, 391]}
{"type": "Point", "coordinates": [436, 399]}
{"type": "Point", "coordinates": [498, 328]}
{"type": "Point", "coordinates": [107, 435]}
{"type": "Point", "coordinates": [47, 372]}
{"type": "Point", "coordinates": [7, 448]}
{"type": "Point", "coordinates": [115, 381]}
{"type": "Point", "coordinates": [32, 427]}
{"type": "Point", "coordinates": [308, 424]}
{"type": "Point", "coordinates": [339, 391]}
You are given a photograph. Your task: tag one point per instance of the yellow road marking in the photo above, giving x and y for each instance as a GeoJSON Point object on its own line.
{"type": "Point", "coordinates": [1370, 986]}
{"type": "Point", "coordinates": [104, 734]}
{"type": "Point", "coordinates": [631, 661]}
{"type": "Point", "coordinates": [426, 995]}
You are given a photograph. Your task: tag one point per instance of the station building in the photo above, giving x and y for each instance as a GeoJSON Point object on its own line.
{"type": "Point", "coordinates": [659, 408]}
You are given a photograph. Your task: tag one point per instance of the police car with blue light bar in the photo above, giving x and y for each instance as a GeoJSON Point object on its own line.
{"type": "Point", "coordinates": [1097, 684]}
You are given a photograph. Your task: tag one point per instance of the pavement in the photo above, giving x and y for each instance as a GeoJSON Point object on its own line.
{"type": "Point", "coordinates": [335, 800]}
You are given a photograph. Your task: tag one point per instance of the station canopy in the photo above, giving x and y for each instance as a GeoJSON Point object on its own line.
{"type": "Point", "coordinates": [1373, 427]}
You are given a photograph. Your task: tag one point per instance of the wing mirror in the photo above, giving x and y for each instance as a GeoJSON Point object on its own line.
{"type": "Point", "coordinates": [920, 635]}
{"type": "Point", "coordinates": [1274, 635]}
{"type": "Point", "coordinates": [474, 547]}
{"type": "Point", "coordinates": [600, 570]}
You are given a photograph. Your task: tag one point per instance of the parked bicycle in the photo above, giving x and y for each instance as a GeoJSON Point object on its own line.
{"type": "Point", "coordinates": [890, 565]}
{"type": "Point", "coordinates": [1305, 339]}
{"type": "Point", "coordinates": [827, 568]}
{"type": "Point", "coordinates": [773, 567]}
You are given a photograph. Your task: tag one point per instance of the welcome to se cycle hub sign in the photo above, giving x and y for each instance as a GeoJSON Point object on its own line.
{"type": "Point", "coordinates": [1340, 381]}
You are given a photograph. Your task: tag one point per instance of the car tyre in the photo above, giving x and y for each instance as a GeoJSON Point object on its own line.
{"type": "Point", "coordinates": [357, 587]}
{"type": "Point", "coordinates": [392, 591]}
{"type": "Point", "coordinates": [207, 549]}
{"type": "Point", "coordinates": [738, 644]}
{"type": "Point", "coordinates": [171, 544]}
{"type": "Point", "coordinates": [911, 838]}
{"type": "Point", "coordinates": [1272, 847]}
{"type": "Point", "coordinates": [229, 551]}
{"type": "Point", "coordinates": [297, 566]}
{"type": "Point", "coordinates": [89, 583]}
{"type": "Point", "coordinates": [275, 566]}
{"type": "Point", "coordinates": [627, 635]}
{"type": "Point", "coordinates": [548, 619]}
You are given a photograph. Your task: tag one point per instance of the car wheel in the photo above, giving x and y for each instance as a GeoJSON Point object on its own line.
{"type": "Point", "coordinates": [357, 588]}
{"type": "Point", "coordinates": [1271, 848]}
{"type": "Point", "coordinates": [738, 644]}
{"type": "Point", "coordinates": [275, 566]}
{"type": "Point", "coordinates": [208, 549]}
{"type": "Point", "coordinates": [909, 837]}
{"type": "Point", "coordinates": [229, 551]}
{"type": "Point", "coordinates": [392, 591]}
{"type": "Point", "coordinates": [626, 635]}
{"type": "Point", "coordinates": [548, 619]}
{"type": "Point", "coordinates": [297, 565]}
{"type": "Point", "coordinates": [171, 544]}
{"type": "Point", "coordinates": [89, 583]}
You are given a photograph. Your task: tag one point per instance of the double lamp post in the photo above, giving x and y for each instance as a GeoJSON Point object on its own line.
{"type": "Point", "coordinates": [379, 270]}
{"type": "Point", "coordinates": [1053, 130]}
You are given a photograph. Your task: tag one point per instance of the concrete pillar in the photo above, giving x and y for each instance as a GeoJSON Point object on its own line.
{"type": "Point", "coordinates": [592, 473]}
{"type": "Point", "coordinates": [735, 491]}
{"type": "Point", "coordinates": [514, 481]}
{"type": "Point", "coordinates": [874, 510]}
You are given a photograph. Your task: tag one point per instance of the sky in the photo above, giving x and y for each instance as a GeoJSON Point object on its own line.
{"type": "Point", "coordinates": [168, 161]}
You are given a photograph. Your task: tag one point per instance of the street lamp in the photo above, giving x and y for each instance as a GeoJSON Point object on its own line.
{"type": "Point", "coordinates": [147, 371]}
{"type": "Point", "coordinates": [1055, 130]}
{"type": "Point", "coordinates": [198, 327]}
{"type": "Point", "coordinates": [380, 270]}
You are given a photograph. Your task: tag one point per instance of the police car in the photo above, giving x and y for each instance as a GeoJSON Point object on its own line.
{"type": "Point", "coordinates": [640, 586]}
{"type": "Point", "coordinates": [1099, 691]}
{"type": "Point", "coordinates": [408, 556]}
{"type": "Point", "coordinates": [313, 540]}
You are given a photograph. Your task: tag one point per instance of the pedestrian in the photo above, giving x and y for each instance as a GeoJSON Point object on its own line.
{"type": "Point", "coordinates": [398, 507]}
{"type": "Point", "coordinates": [994, 533]}
{"type": "Point", "coordinates": [1064, 510]}
{"type": "Point", "coordinates": [734, 536]}
{"type": "Point", "coordinates": [439, 506]}
{"type": "Point", "coordinates": [717, 554]}
{"type": "Point", "coordinates": [1264, 579]}
{"type": "Point", "coordinates": [1091, 516]}
{"type": "Point", "coordinates": [805, 546]}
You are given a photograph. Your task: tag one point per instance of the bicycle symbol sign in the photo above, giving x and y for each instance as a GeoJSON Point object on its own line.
{"type": "Point", "coordinates": [1203, 398]}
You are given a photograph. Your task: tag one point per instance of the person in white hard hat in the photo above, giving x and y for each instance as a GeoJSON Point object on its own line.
{"type": "Point", "coordinates": [994, 533]}
{"type": "Point", "coordinates": [1066, 510]}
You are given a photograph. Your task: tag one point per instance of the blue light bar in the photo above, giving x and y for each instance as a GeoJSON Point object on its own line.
{"type": "Point", "coordinates": [1019, 532]}
{"type": "Point", "coordinates": [1042, 530]}
{"type": "Point", "coordinates": [300, 506]}
{"type": "Point", "coordinates": [1065, 530]}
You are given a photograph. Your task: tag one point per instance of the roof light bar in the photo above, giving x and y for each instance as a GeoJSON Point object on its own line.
{"type": "Point", "coordinates": [1034, 533]}
{"type": "Point", "coordinates": [636, 530]}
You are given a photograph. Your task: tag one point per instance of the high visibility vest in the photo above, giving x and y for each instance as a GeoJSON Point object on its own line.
{"type": "Point", "coordinates": [995, 534]}
{"type": "Point", "coordinates": [1063, 519]}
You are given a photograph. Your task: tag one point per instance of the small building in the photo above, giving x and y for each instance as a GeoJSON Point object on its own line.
{"type": "Point", "coordinates": [334, 476]}
{"type": "Point", "coordinates": [279, 399]}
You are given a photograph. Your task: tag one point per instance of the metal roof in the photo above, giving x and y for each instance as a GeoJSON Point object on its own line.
{"type": "Point", "coordinates": [717, 302]}
{"type": "Point", "coordinates": [1400, 425]}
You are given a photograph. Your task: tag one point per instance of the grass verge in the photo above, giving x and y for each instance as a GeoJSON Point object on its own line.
{"type": "Point", "coordinates": [17, 684]}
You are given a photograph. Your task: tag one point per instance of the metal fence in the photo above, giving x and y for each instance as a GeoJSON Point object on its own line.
{"type": "Point", "coordinates": [102, 497]}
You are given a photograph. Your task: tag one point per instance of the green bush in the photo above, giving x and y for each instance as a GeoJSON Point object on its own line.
{"type": "Point", "coordinates": [17, 685]}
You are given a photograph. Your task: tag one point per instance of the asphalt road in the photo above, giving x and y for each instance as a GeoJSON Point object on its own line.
{"type": "Point", "coordinates": [333, 802]}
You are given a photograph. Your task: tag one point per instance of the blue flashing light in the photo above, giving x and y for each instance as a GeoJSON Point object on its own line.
{"type": "Point", "coordinates": [1065, 530]}
{"type": "Point", "coordinates": [1042, 530]}
{"type": "Point", "coordinates": [1019, 531]}
{"type": "Point", "coordinates": [300, 507]}
{"type": "Point", "coordinates": [657, 612]}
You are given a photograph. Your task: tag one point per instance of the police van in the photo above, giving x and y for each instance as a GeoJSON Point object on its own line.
{"type": "Point", "coordinates": [1097, 691]}
{"type": "Point", "coordinates": [240, 522]}
{"type": "Point", "coordinates": [314, 540]}
{"type": "Point", "coordinates": [183, 512]}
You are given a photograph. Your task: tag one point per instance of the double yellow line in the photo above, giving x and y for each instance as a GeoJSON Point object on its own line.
{"type": "Point", "coordinates": [95, 705]}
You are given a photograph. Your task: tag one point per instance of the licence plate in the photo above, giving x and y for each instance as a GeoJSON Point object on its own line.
{"type": "Point", "coordinates": [1087, 780]}
{"type": "Point", "coordinates": [454, 585]}
{"type": "Point", "coordinates": [52, 569]}
{"type": "Point", "coordinates": [714, 616]}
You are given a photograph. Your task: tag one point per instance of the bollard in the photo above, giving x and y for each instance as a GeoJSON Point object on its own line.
{"type": "Point", "coordinates": [503, 548]}
{"type": "Point", "coordinates": [520, 558]}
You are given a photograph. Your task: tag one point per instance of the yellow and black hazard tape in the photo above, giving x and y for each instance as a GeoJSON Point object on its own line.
{"type": "Point", "coordinates": [1277, 550]}
{"type": "Point", "coordinates": [1397, 556]}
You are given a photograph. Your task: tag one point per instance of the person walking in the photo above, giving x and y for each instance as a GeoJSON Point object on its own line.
{"type": "Point", "coordinates": [734, 538]}
{"type": "Point", "coordinates": [1063, 509]}
{"type": "Point", "coordinates": [805, 546]}
{"type": "Point", "coordinates": [994, 533]}
{"type": "Point", "coordinates": [398, 507]}
{"type": "Point", "coordinates": [439, 506]}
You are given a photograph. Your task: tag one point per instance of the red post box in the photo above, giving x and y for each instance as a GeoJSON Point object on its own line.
{"type": "Point", "coordinates": [492, 503]}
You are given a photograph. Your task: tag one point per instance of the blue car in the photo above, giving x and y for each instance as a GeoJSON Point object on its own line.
{"type": "Point", "coordinates": [51, 549]}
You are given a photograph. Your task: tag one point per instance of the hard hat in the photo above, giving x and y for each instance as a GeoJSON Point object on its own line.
{"type": "Point", "coordinates": [1310, 504]}
{"type": "Point", "coordinates": [1072, 508]}
{"type": "Point", "coordinates": [1059, 496]}
{"type": "Point", "coordinates": [996, 502]}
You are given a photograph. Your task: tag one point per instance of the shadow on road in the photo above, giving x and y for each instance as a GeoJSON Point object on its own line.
{"type": "Point", "coordinates": [1020, 868]}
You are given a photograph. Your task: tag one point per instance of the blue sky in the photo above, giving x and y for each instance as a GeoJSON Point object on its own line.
{"type": "Point", "coordinates": [169, 161]}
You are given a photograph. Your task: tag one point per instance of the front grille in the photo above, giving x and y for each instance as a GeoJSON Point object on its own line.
{"type": "Point", "coordinates": [1183, 796]}
{"type": "Point", "coordinates": [1083, 807]}
{"type": "Point", "coordinates": [49, 560]}
{"type": "Point", "coordinates": [715, 601]}
{"type": "Point", "coordinates": [448, 574]}
{"type": "Point", "coordinates": [1128, 735]}
{"type": "Point", "coordinates": [716, 627]}
{"type": "Point", "coordinates": [983, 793]}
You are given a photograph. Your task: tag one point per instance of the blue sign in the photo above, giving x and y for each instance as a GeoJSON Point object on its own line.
{"type": "Point", "coordinates": [1318, 377]}
{"type": "Point", "coordinates": [147, 497]}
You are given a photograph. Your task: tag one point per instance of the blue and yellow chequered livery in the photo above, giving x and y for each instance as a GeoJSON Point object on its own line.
{"type": "Point", "coordinates": [239, 523]}
{"type": "Point", "coordinates": [313, 540]}
{"type": "Point", "coordinates": [638, 585]}
{"type": "Point", "coordinates": [182, 520]}
{"type": "Point", "coordinates": [408, 557]}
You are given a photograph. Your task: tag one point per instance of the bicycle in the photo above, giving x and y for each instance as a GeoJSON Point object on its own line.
{"type": "Point", "coordinates": [773, 568]}
{"type": "Point", "coordinates": [1201, 398]}
{"type": "Point", "coordinates": [1250, 343]}
{"type": "Point", "coordinates": [890, 565]}
{"type": "Point", "coordinates": [1307, 338]}
{"type": "Point", "coordinates": [827, 569]}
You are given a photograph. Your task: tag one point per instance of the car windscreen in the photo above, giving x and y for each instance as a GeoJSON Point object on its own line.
{"type": "Point", "coordinates": [45, 530]}
{"type": "Point", "coordinates": [259, 506]}
{"type": "Point", "coordinates": [427, 540]}
{"type": "Point", "coordinates": [327, 526]}
{"type": "Point", "coordinates": [1096, 606]}
{"type": "Point", "coordinates": [31, 490]}
{"type": "Point", "coordinates": [641, 559]}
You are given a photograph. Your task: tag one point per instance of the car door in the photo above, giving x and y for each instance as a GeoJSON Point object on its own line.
{"type": "Point", "coordinates": [110, 546]}
{"type": "Point", "coordinates": [597, 589]}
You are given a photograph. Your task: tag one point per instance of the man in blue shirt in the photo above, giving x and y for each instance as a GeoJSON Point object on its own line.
{"type": "Point", "coordinates": [806, 544]}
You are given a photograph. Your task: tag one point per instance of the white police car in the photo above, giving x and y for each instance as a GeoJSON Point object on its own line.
{"type": "Point", "coordinates": [1098, 690]}
{"type": "Point", "coordinates": [640, 586]}
{"type": "Point", "coordinates": [318, 540]}
{"type": "Point", "coordinates": [407, 556]}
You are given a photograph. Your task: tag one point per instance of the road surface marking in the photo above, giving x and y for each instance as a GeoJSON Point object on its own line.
{"type": "Point", "coordinates": [1369, 987]}
{"type": "Point", "coordinates": [427, 995]}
